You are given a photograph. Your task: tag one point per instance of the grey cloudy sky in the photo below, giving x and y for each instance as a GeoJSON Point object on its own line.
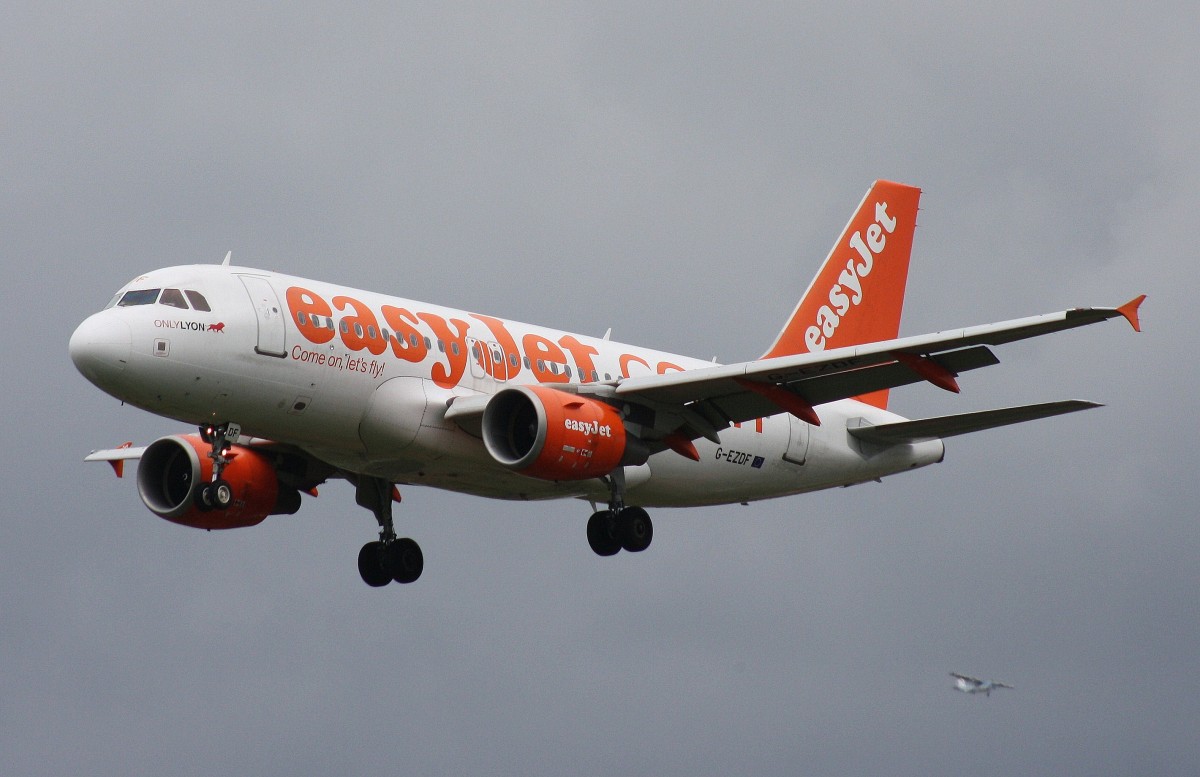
{"type": "Point", "coordinates": [676, 172]}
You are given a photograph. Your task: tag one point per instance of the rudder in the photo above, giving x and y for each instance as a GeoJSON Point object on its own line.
{"type": "Point", "coordinates": [858, 294]}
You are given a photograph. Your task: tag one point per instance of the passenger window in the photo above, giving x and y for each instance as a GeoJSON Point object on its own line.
{"type": "Point", "coordinates": [345, 327]}
{"type": "Point", "coordinates": [139, 297]}
{"type": "Point", "coordinates": [198, 301]}
{"type": "Point", "coordinates": [302, 318]}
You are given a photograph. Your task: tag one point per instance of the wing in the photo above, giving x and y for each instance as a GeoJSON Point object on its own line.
{"type": "Point", "coordinates": [710, 399]}
{"type": "Point", "coordinates": [116, 457]}
{"type": "Point", "coordinates": [967, 678]}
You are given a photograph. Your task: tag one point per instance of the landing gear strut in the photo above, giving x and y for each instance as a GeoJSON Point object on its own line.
{"type": "Point", "coordinates": [608, 531]}
{"type": "Point", "coordinates": [217, 494]}
{"type": "Point", "coordinates": [388, 558]}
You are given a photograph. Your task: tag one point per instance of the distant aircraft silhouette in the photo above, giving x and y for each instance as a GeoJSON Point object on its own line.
{"type": "Point", "coordinates": [968, 684]}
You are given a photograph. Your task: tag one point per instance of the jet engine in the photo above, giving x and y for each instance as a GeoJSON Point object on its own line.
{"type": "Point", "coordinates": [173, 469]}
{"type": "Point", "coordinates": [550, 434]}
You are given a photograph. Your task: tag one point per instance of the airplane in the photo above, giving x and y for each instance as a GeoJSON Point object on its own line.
{"type": "Point", "coordinates": [292, 382]}
{"type": "Point", "coordinates": [973, 685]}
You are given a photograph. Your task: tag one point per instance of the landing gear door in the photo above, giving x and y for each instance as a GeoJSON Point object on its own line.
{"type": "Point", "coordinates": [798, 436]}
{"type": "Point", "coordinates": [271, 332]}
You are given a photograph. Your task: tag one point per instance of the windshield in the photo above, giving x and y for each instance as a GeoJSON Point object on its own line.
{"type": "Point", "coordinates": [138, 297]}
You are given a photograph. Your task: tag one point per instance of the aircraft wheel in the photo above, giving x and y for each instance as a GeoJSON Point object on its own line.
{"type": "Point", "coordinates": [602, 533]}
{"type": "Point", "coordinates": [636, 530]}
{"type": "Point", "coordinates": [203, 498]}
{"type": "Point", "coordinates": [370, 565]}
{"type": "Point", "coordinates": [403, 560]}
{"type": "Point", "coordinates": [221, 494]}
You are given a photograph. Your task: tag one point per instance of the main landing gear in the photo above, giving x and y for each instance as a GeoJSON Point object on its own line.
{"type": "Point", "coordinates": [217, 494]}
{"type": "Point", "coordinates": [388, 558]}
{"type": "Point", "coordinates": [608, 531]}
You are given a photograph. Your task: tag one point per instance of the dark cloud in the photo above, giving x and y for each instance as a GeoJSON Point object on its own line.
{"type": "Point", "coordinates": [676, 174]}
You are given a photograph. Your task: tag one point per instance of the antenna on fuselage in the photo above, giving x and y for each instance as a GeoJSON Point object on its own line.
{"type": "Point", "coordinates": [607, 334]}
{"type": "Point", "coordinates": [228, 256]}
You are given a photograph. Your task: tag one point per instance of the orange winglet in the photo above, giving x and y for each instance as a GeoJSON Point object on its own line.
{"type": "Point", "coordinates": [682, 445]}
{"type": "Point", "coordinates": [312, 491]}
{"type": "Point", "coordinates": [118, 465]}
{"type": "Point", "coordinates": [783, 399]}
{"type": "Point", "coordinates": [1130, 311]}
{"type": "Point", "coordinates": [395, 494]}
{"type": "Point", "coordinates": [929, 370]}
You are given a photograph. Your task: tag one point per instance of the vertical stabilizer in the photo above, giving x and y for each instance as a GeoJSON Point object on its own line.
{"type": "Point", "coordinates": [858, 294]}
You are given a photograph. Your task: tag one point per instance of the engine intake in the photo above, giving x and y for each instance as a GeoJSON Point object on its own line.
{"type": "Point", "coordinates": [174, 468]}
{"type": "Point", "coordinates": [550, 434]}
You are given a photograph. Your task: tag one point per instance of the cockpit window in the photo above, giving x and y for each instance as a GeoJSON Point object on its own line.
{"type": "Point", "coordinates": [138, 297]}
{"type": "Point", "coordinates": [173, 298]}
{"type": "Point", "coordinates": [198, 300]}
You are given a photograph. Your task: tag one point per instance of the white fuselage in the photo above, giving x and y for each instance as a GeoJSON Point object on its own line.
{"type": "Point", "coordinates": [362, 381]}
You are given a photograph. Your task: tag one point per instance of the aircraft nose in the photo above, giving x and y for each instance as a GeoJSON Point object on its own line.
{"type": "Point", "coordinates": [100, 347]}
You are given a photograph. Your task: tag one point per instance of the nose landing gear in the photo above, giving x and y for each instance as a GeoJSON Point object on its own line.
{"type": "Point", "coordinates": [217, 494]}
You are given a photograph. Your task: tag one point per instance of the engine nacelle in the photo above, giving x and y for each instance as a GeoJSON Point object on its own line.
{"type": "Point", "coordinates": [553, 435]}
{"type": "Point", "coordinates": [174, 468]}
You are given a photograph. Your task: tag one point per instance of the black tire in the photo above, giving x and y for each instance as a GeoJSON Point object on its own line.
{"type": "Point", "coordinates": [635, 528]}
{"type": "Point", "coordinates": [370, 565]}
{"type": "Point", "coordinates": [203, 498]}
{"type": "Point", "coordinates": [602, 533]}
{"type": "Point", "coordinates": [221, 494]}
{"type": "Point", "coordinates": [403, 560]}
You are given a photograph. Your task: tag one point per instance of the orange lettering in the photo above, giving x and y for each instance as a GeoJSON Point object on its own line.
{"type": "Point", "coordinates": [506, 370]}
{"type": "Point", "coordinates": [626, 358]}
{"type": "Point", "coordinates": [540, 351]}
{"type": "Point", "coordinates": [456, 349]}
{"type": "Point", "coordinates": [361, 330]}
{"type": "Point", "coordinates": [409, 343]}
{"type": "Point", "coordinates": [582, 354]}
{"type": "Point", "coordinates": [305, 304]}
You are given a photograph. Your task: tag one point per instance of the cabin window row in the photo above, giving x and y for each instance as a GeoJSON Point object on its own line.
{"type": "Point", "coordinates": [370, 332]}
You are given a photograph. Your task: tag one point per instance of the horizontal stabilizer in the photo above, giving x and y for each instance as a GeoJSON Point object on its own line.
{"type": "Point", "coordinates": [951, 425]}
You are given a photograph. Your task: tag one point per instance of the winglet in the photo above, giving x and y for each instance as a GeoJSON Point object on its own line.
{"type": "Point", "coordinates": [1130, 311]}
{"type": "Point", "coordinates": [118, 465]}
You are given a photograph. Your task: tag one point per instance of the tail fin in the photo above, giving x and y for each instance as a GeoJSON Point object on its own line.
{"type": "Point", "coordinates": [858, 294]}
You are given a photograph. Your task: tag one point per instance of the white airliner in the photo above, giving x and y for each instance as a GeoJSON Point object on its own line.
{"type": "Point", "coordinates": [968, 684]}
{"type": "Point", "coordinates": [294, 381]}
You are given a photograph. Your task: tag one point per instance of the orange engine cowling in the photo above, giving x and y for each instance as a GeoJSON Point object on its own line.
{"type": "Point", "coordinates": [553, 435]}
{"type": "Point", "coordinates": [173, 469]}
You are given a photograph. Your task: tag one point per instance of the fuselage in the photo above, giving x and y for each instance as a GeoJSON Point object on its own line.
{"type": "Point", "coordinates": [362, 381]}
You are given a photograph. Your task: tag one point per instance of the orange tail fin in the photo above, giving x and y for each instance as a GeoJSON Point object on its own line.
{"type": "Point", "coordinates": [858, 294]}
